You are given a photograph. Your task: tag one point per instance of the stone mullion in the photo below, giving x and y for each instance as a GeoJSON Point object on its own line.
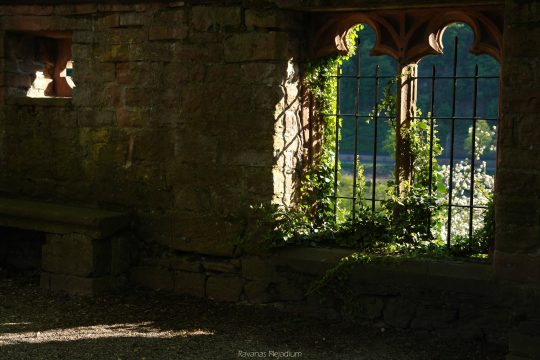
{"type": "Point", "coordinates": [406, 110]}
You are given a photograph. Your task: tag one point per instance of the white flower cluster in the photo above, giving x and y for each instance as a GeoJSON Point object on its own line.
{"type": "Point", "coordinates": [462, 191]}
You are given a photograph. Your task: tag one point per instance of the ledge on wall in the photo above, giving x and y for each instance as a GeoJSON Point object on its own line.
{"type": "Point", "coordinates": [43, 101]}
{"type": "Point", "coordinates": [444, 275]}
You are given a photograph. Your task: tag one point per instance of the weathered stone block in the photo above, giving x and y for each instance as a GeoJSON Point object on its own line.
{"type": "Point", "coordinates": [399, 312]}
{"type": "Point", "coordinates": [143, 74]}
{"type": "Point", "coordinates": [170, 16]}
{"type": "Point", "coordinates": [223, 73]}
{"type": "Point", "coordinates": [105, 8]}
{"type": "Point", "coordinates": [60, 219]}
{"type": "Point", "coordinates": [149, 7]}
{"type": "Point", "coordinates": [258, 292]}
{"type": "Point", "coordinates": [117, 53]}
{"type": "Point", "coordinates": [516, 357]}
{"type": "Point", "coordinates": [207, 18]}
{"type": "Point", "coordinates": [197, 52]}
{"type": "Point", "coordinates": [518, 183]}
{"type": "Point", "coordinates": [77, 285]}
{"type": "Point", "coordinates": [254, 267]}
{"type": "Point", "coordinates": [219, 266]}
{"type": "Point", "coordinates": [135, 118]}
{"type": "Point", "coordinates": [45, 280]}
{"type": "Point", "coordinates": [272, 19]}
{"type": "Point", "coordinates": [525, 340]}
{"type": "Point", "coordinates": [20, 9]}
{"type": "Point", "coordinates": [76, 254]}
{"type": "Point", "coordinates": [26, 23]}
{"type": "Point", "coordinates": [256, 46]}
{"type": "Point", "coordinates": [183, 72]}
{"type": "Point", "coordinates": [120, 36]}
{"type": "Point", "coordinates": [515, 237]}
{"type": "Point", "coordinates": [204, 235]}
{"type": "Point", "coordinates": [368, 307]}
{"type": "Point", "coordinates": [133, 19]}
{"type": "Point", "coordinates": [514, 44]}
{"type": "Point", "coordinates": [224, 287]}
{"type": "Point", "coordinates": [175, 4]}
{"type": "Point", "coordinates": [95, 118]}
{"type": "Point", "coordinates": [206, 38]}
{"type": "Point", "coordinates": [186, 264]}
{"type": "Point", "coordinates": [154, 51]}
{"type": "Point", "coordinates": [286, 291]}
{"type": "Point", "coordinates": [310, 260]}
{"type": "Point", "coordinates": [138, 97]}
{"type": "Point", "coordinates": [433, 317]}
{"type": "Point", "coordinates": [262, 73]}
{"type": "Point", "coordinates": [167, 32]}
{"type": "Point", "coordinates": [456, 269]}
{"type": "Point", "coordinates": [82, 51]}
{"type": "Point", "coordinates": [152, 277]}
{"type": "Point", "coordinates": [517, 267]}
{"type": "Point", "coordinates": [189, 283]}
{"type": "Point", "coordinates": [120, 254]}
{"type": "Point", "coordinates": [78, 9]}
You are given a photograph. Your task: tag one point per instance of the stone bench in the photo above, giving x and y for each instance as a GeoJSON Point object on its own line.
{"type": "Point", "coordinates": [86, 250]}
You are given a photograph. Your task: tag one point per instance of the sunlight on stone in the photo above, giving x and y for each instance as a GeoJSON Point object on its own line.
{"type": "Point", "coordinates": [39, 85]}
{"type": "Point", "coordinates": [143, 330]}
{"type": "Point", "coordinates": [66, 73]}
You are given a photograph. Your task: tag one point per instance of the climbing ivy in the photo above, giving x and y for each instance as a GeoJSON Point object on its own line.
{"type": "Point", "coordinates": [318, 183]}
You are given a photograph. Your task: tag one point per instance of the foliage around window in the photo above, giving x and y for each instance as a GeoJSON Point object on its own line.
{"type": "Point", "coordinates": [403, 225]}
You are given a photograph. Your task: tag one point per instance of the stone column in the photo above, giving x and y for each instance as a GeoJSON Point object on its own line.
{"type": "Point", "coordinates": [517, 193]}
{"type": "Point", "coordinates": [406, 110]}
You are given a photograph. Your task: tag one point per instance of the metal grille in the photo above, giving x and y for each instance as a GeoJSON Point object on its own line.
{"type": "Point", "coordinates": [443, 110]}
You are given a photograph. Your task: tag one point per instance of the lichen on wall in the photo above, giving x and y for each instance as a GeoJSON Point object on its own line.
{"type": "Point", "coordinates": [183, 115]}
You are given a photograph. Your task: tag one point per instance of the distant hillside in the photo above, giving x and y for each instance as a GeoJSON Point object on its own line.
{"type": "Point", "coordinates": [487, 102]}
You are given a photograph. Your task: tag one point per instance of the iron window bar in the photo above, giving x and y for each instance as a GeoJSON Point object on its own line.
{"type": "Point", "coordinates": [376, 116]}
{"type": "Point", "coordinates": [417, 117]}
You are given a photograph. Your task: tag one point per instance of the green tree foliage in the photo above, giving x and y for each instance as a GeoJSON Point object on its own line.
{"type": "Point", "coordinates": [487, 103]}
{"type": "Point", "coordinates": [413, 223]}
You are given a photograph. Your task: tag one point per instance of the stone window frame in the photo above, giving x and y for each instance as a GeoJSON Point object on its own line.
{"type": "Point", "coordinates": [60, 48]}
{"type": "Point", "coordinates": [409, 35]}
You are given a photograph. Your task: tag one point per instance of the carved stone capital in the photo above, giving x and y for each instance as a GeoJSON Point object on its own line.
{"type": "Point", "coordinates": [409, 35]}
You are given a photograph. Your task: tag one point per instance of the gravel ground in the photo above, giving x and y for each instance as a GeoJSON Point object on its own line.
{"type": "Point", "coordinates": [140, 324]}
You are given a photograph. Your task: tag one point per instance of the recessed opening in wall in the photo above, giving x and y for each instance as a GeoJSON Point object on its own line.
{"type": "Point", "coordinates": [38, 64]}
{"type": "Point", "coordinates": [428, 147]}
{"type": "Point", "coordinates": [20, 251]}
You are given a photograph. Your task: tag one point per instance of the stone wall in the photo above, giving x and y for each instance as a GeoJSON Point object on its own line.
{"type": "Point", "coordinates": [452, 299]}
{"type": "Point", "coordinates": [183, 115]}
{"type": "Point", "coordinates": [518, 170]}
{"type": "Point", "coordinates": [186, 113]}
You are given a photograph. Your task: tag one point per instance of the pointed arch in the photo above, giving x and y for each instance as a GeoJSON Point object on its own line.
{"type": "Point", "coordinates": [409, 35]}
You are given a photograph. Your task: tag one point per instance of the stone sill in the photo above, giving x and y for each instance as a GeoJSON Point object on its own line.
{"type": "Point", "coordinates": [316, 261]}
{"type": "Point", "coordinates": [458, 276]}
{"type": "Point", "coordinates": [45, 101]}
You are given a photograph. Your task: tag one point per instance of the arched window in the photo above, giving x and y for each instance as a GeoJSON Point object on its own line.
{"type": "Point", "coordinates": [364, 148]}
{"type": "Point", "coordinates": [419, 125]}
{"type": "Point", "coordinates": [459, 93]}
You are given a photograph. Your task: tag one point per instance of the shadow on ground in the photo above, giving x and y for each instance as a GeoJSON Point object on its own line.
{"type": "Point", "coordinates": [151, 325]}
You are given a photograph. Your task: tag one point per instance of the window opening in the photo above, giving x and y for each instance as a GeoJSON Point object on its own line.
{"type": "Point", "coordinates": [454, 99]}
{"type": "Point", "coordinates": [362, 146]}
{"type": "Point", "coordinates": [38, 64]}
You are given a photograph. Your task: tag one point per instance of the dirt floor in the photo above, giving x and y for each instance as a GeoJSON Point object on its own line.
{"type": "Point", "coordinates": [140, 324]}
